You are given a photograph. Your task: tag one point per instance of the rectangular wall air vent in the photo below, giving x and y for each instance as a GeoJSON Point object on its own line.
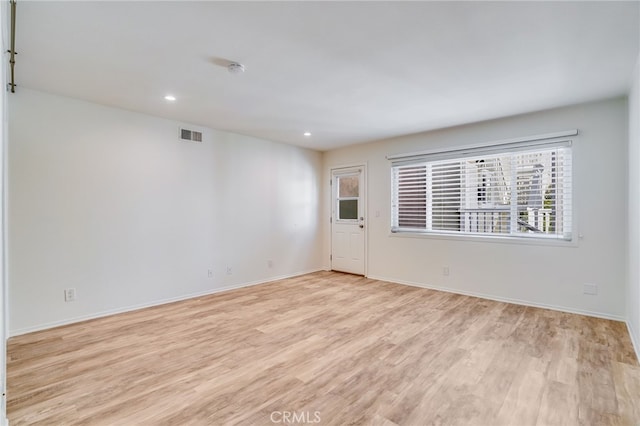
{"type": "Point", "coordinates": [190, 135]}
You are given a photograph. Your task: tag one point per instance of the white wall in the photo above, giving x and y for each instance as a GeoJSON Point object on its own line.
{"type": "Point", "coordinates": [4, 77]}
{"type": "Point", "coordinates": [633, 287]}
{"type": "Point", "coordinates": [111, 203]}
{"type": "Point", "coordinates": [541, 275]}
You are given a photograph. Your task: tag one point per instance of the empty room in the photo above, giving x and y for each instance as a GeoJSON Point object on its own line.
{"type": "Point", "coordinates": [320, 212]}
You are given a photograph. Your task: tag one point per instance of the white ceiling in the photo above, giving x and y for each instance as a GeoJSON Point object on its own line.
{"type": "Point", "coordinates": [349, 72]}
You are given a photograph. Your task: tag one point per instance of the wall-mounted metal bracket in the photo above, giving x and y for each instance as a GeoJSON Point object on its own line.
{"type": "Point", "coordinates": [12, 51]}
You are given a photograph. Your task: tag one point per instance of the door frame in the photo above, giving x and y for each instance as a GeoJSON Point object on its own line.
{"type": "Point", "coordinates": [364, 195]}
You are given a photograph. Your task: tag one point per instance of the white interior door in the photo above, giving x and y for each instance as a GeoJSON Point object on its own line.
{"type": "Point", "coordinates": [348, 220]}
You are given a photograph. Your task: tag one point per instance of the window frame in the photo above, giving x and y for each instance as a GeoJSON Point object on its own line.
{"type": "Point", "coordinates": [556, 141]}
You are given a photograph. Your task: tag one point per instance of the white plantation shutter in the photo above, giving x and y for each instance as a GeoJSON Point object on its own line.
{"type": "Point", "coordinates": [410, 196]}
{"type": "Point", "coordinates": [518, 189]}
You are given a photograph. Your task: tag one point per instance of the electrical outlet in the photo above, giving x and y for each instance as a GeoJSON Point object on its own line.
{"type": "Point", "coordinates": [210, 273]}
{"type": "Point", "coordinates": [69, 294]}
{"type": "Point", "coordinates": [445, 271]}
{"type": "Point", "coordinates": [590, 289]}
{"type": "Point", "coordinates": [270, 263]}
{"type": "Point", "coordinates": [229, 270]}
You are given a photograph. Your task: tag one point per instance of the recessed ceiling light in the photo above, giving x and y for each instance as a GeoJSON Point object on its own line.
{"type": "Point", "coordinates": [307, 133]}
{"type": "Point", "coordinates": [170, 98]}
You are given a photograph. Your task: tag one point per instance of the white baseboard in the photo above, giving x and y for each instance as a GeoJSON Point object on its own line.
{"type": "Point", "coordinates": [632, 333]}
{"type": "Point", "coordinates": [39, 327]}
{"type": "Point", "coordinates": [634, 340]}
{"type": "Point", "coordinates": [503, 299]}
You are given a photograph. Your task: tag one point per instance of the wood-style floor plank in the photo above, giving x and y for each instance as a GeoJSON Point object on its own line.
{"type": "Point", "coordinates": [332, 347]}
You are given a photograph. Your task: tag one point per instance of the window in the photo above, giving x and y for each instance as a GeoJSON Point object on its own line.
{"type": "Point", "coordinates": [348, 196]}
{"type": "Point", "coordinates": [509, 190]}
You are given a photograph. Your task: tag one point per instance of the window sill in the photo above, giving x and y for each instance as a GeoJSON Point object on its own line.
{"type": "Point", "coordinates": [534, 241]}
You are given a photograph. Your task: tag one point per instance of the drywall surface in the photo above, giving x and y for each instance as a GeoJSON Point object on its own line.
{"type": "Point", "coordinates": [4, 330]}
{"type": "Point", "coordinates": [113, 204]}
{"type": "Point", "coordinates": [633, 286]}
{"type": "Point", "coordinates": [542, 275]}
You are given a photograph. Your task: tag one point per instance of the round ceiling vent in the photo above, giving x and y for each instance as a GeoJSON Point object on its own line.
{"type": "Point", "coordinates": [235, 68]}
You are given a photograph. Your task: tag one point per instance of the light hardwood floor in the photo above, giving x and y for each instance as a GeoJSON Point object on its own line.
{"type": "Point", "coordinates": [332, 347]}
